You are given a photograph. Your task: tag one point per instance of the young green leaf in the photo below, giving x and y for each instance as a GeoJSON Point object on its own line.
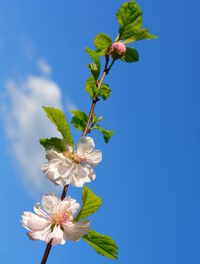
{"type": "Point", "coordinates": [79, 119]}
{"type": "Point", "coordinates": [102, 42]}
{"type": "Point", "coordinates": [131, 55]}
{"type": "Point", "coordinates": [94, 70]}
{"type": "Point", "coordinates": [104, 91]}
{"type": "Point", "coordinates": [90, 86]}
{"type": "Point", "coordinates": [58, 119]}
{"type": "Point", "coordinates": [95, 67]}
{"type": "Point", "coordinates": [94, 118]}
{"type": "Point", "coordinates": [94, 56]}
{"type": "Point", "coordinates": [107, 134]}
{"type": "Point", "coordinates": [90, 204]}
{"type": "Point", "coordinates": [104, 245]}
{"type": "Point", "coordinates": [129, 17]}
{"type": "Point", "coordinates": [99, 119]}
{"type": "Point", "coordinates": [55, 142]}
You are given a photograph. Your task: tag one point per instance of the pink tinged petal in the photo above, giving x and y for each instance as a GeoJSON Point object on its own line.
{"type": "Point", "coordinates": [50, 202]}
{"type": "Point", "coordinates": [53, 153]}
{"type": "Point", "coordinates": [57, 236]}
{"type": "Point", "coordinates": [71, 204]}
{"type": "Point", "coordinates": [34, 222]}
{"type": "Point", "coordinates": [94, 158]}
{"type": "Point", "coordinates": [85, 146]}
{"type": "Point", "coordinates": [39, 211]}
{"type": "Point", "coordinates": [74, 231]}
{"type": "Point", "coordinates": [40, 235]}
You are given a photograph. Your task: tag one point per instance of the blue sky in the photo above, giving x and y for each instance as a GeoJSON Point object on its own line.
{"type": "Point", "coordinates": [149, 177]}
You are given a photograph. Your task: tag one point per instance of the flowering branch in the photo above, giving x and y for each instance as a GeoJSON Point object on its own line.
{"type": "Point", "coordinates": [55, 221]}
{"type": "Point", "coordinates": [95, 99]}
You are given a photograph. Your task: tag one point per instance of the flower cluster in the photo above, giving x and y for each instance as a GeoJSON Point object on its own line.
{"type": "Point", "coordinates": [55, 221]}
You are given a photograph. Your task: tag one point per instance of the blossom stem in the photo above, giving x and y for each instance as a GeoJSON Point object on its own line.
{"type": "Point", "coordinates": [64, 192]}
{"type": "Point", "coordinates": [86, 130]}
{"type": "Point", "coordinates": [46, 253]}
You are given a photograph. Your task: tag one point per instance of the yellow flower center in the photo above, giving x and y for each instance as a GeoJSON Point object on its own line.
{"type": "Point", "coordinates": [73, 156]}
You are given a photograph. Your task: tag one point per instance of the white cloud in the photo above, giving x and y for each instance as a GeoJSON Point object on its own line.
{"type": "Point", "coordinates": [44, 67]}
{"type": "Point", "coordinates": [26, 123]}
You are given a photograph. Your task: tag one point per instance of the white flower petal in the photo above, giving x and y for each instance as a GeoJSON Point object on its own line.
{"type": "Point", "coordinates": [57, 236]}
{"type": "Point", "coordinates": [34, 222]}
{"type": "Point", "coordinates": [64, 169]}
{"type": "Point", "coordinates": [50, 202]}
{"type": "Point", "coordinates": [94, 158]}
{"type": "Point", "coordinates": [85, 146]}
{"type": "Point", "coordinates": [39, 211]}
{"type": "Point", "coordinates": [40, 235]}
{"type": "Point", "coordinates": [53, 153]}
{"type": "Point", "coordinates": [82, 175]}
{"type": "Point", "coordinates": [74, 231]}
{"type": "Point", "coordinates": [58, 171]}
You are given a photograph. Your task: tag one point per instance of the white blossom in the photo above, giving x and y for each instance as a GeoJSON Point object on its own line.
{"type": "Point", "coordinates": [76, 167]}
{"type": "Point", "coordinates": [55, 221]}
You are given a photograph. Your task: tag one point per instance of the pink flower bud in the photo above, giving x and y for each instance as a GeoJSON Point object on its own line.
{"type": "Point", "coordinates": [118, 50]}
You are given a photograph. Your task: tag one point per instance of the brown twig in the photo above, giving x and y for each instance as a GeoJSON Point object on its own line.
{"type": "Point", "coordinates": [64, 192]}
{"type": "Point", "coordinates": [46, 253]}
{"type": "Point", "coordinates": [86, 130]}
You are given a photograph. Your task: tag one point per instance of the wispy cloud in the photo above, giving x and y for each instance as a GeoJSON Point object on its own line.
{"type": "Point", "coordinates": [44, 67]}
{"type": "Point", "coordinates": [26, 123]}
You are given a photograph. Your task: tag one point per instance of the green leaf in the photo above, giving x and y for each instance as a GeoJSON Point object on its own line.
{"type": "Point", "coordinates": [79, 119]}
{"type": "Point", "coordinates": [139, 35]}
{"type": "Point", "coordinates": [131, 55]}
{"type": "Point", "coordinates": [90, 86]}
{"type": "Point", "coordinates": [99, 119]}
{"type": "Point", "coordinates": [94, 56]}
{"type": "Point", "coordinates": [104, 245]}
{"type": "Point", "coordinates": [107, 134]}
{"type": "Point", "coordinates": [102, 42]}
{"type": "Point", "coordinates": [90, 204]}
{"type": "Point", "coordinates": [95, 67]}
{"type": "Point", "coordinates": [55, 142]}
{"type": "Point", "coordinates": [94, 70]}
{"type": "Point", "coordinates": [104, 91]}
{"type": "Point", "coordinates": [58, 119]}
{"type": "Point", "coordinates": [129, 17]}
{"type": "Point", "coordinates": [93, 119]}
